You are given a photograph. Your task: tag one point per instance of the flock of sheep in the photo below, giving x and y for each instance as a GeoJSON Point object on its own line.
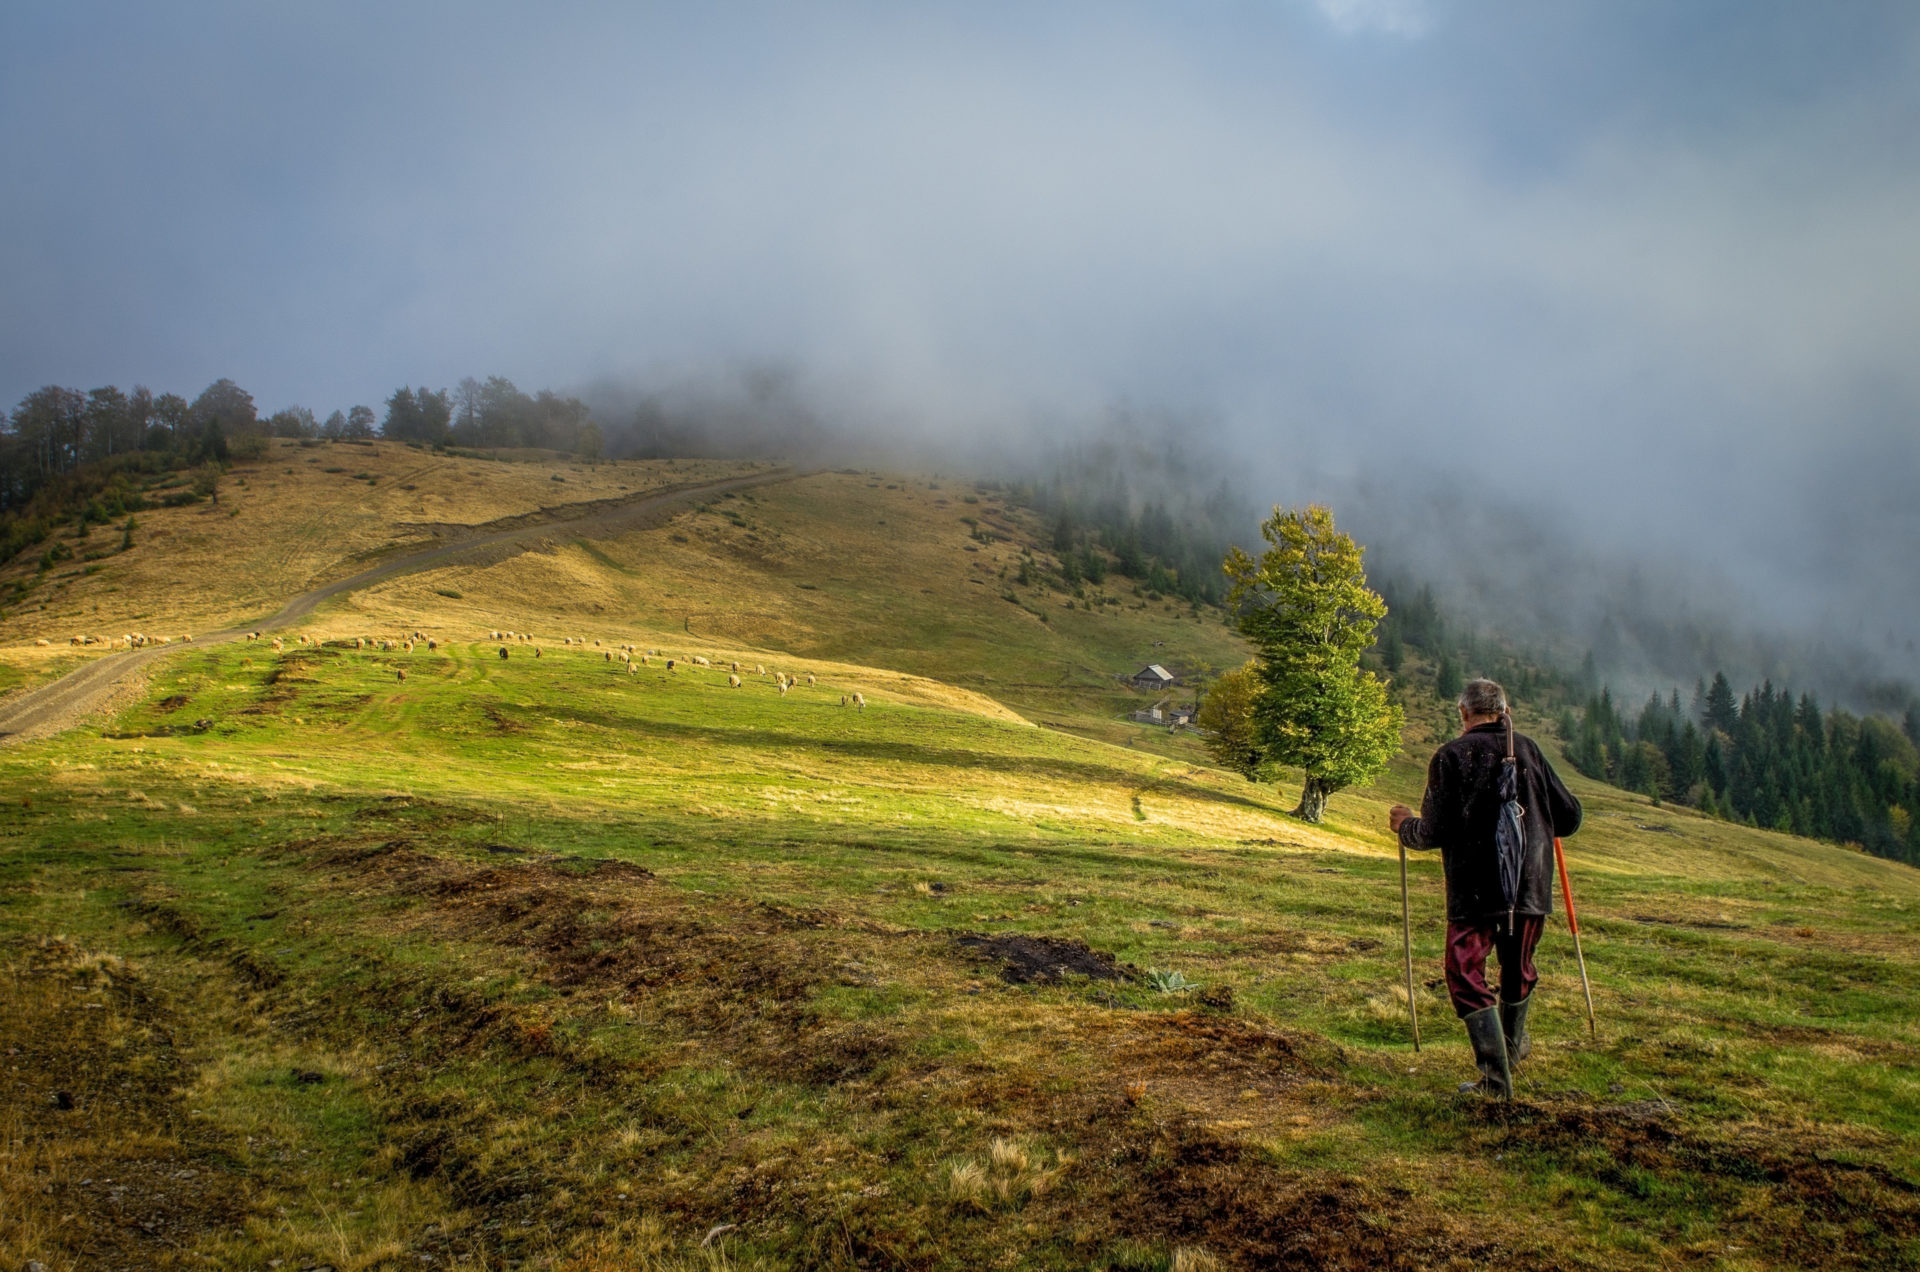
{"type": "Point", "coordinates": [632, 657]}
{"type": "Point", "coordinates": [132, 640]}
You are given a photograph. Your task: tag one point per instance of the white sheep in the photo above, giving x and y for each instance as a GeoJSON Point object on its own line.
{"type": "Point", "coordinates": [860, 701]}
{"type": "Point", "coordinates": [633, 669]}
{"type": "Point", "coordinates": [783, 688]}
{"type": "Point", "coordinates": [605, 654]}
{"type": "Point", "coordinates": [432, 645]}
{"type": "Point", "coordinates": [733, 682]}
{"type": "Point", "coordinates": [402, 673]}
{"type": "Point", "coordinates": [809, 680]}
{"type": "Point", "coordinates": [278, 644]}
{"type": "Point", "coordinates": [43, 643]}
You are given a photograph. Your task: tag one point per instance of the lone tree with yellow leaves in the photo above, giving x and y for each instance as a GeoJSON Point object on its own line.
{"type": "Point", "coordinates": [1307, 609]}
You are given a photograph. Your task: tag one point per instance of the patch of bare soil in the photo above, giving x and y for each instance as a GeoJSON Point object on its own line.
{"type": "Point", "coordinates": [1027, 960]}
{"type": "Point", "coordinates": [1170, 1181]}
{"type": "Point", "coordinates": [735, 975]}
{"type": "Point", "coordinates": [103, 1168]}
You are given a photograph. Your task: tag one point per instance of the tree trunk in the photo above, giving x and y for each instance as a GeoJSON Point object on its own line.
{"type": "Point", "coordinates": [1313, 800]}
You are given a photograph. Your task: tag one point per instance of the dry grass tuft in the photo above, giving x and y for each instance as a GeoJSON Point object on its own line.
{"type": "Point", "coordinates": [1012, 1175]}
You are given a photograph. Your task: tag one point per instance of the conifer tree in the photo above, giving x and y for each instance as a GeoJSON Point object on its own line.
{"type": "Point", "coordinates": [1720, 711]}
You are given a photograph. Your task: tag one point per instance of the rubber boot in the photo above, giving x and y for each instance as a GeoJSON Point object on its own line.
{"type": "Point", "coordinates": [1513, 1023]}
{"type": "Point", "coordinates": [1490, 1053]}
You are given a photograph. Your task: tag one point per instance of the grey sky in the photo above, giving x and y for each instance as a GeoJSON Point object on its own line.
{"type": "Point", "coordinates": [1650, 269]}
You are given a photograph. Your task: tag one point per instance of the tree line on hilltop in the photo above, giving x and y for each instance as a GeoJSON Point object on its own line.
{"type": "Point", "coordinates": [90, 456]}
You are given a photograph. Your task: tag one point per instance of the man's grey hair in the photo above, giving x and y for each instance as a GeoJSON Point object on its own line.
{"type": "Point", "coordinates": [1483, 698]}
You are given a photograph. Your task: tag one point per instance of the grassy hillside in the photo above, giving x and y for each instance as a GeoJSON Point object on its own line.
{"type": "Point", "coordinates": [536, 962]}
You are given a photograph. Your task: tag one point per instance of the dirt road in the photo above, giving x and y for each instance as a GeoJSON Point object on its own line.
{"type": "Point", "coordinates": [65, 702]}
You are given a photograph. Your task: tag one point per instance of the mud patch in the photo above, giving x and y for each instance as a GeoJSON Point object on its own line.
{"type": "Point", "coordinates": [1028, 960]}
{"type": "Point", "coordinates": [1228, 1198]}
{"type": "Point", "coordinates": [1824, 1205]}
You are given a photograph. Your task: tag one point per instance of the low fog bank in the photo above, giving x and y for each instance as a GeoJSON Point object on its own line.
{"type": "Point", "coordinates": [1536, 574]}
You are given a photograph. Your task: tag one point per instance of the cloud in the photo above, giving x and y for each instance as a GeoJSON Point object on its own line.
{"type": "Point", "coordinates": [1408, 19]}
{"type": "Point", "coordinates": [1640, 274]}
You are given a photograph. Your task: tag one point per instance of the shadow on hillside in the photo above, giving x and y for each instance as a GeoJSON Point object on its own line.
{"type": "Point", "coordinates": [911, 753]}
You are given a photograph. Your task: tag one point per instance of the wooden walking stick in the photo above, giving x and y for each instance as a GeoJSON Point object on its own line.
{"type": "Point", "coordinates": [1573, 926]}
{"type": "Point", "coordinates": [1406, 945]}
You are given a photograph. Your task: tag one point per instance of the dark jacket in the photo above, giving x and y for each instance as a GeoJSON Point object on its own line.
{"type": "Point", "coordinates": [1460, 809]}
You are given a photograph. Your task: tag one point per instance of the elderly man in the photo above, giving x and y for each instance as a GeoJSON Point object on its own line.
{"type": "Point", "coordinates": [1459, 816]}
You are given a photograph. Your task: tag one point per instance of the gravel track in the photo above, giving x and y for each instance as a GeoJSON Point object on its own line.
{"type": "Point", "coordinates": [60, 705]}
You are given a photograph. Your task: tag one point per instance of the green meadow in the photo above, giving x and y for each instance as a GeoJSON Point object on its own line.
{"type": "Point", "coordinates": [537, 962]}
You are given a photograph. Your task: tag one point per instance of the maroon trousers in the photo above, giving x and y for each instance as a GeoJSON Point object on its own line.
{"type": "Point", "coordinates": [1469, 943]}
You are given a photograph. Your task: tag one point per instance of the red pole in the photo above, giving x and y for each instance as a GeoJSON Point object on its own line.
{"type": "Point", "coordinates": [1573, 926]}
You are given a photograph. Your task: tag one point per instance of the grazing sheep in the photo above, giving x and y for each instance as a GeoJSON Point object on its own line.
{"type": "Point", "coordinates": [605, 654]}
{"type": "Point", "coordinates": [432, 645]}
{"type": "Point", "coordinates": [698, 661]}
{"type": "Point", "coordinates": [503, 651]}
{"type": "Point", "coordinates": [860, 701]}
{"type": "Point", "coordinates": [536, 651]}
{"type": "Point", "coordinates": [43, 643]}
{"type": "Point", "coordinates": [733, 682]}
{"type": "Point", "coordinates": [596, 644]}
{"type": "Point", "coordinates": [809, 680]}
{"type": "Point", "coordinates": [633, 669]}
{"type": "Point", "coordinates": [493, 635]}
{"type": "Point", "coordinates": [73, 640]}
{"type": "Point", "coordinates": [278, 644]}
{"type": "Point", "coordinates": [402, 673]}
{"type": "Point", "coordinates": [187, 637]}
{"type": "Point", "coordinates": [644, 660]}
{"type": "Point", "coordinates": [669, 664]}
{"type": "Point", "coordinates": [511, 636]}
{"type": "Point", "coordinates": [758, 670]}
{"type": "Point", "coordinates": [359, 643]}
{"type": "Point", "coordinates": [733, 667]}
{"type": "Point", "coordinates": [408, 646]}
{"type": "Point", "coordinates": [625, 657]}
{"type": "Point", "coordinates": [783, 688]}
{"type": "Point", "coordinates": [843, 699]}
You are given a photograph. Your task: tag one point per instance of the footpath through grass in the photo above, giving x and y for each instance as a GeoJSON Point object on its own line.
{"type": "Point", "coordinates": [540, 963]}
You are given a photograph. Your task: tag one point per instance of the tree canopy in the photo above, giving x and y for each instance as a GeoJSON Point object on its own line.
{"type": "Point", "coordinates": [1307, 609]}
